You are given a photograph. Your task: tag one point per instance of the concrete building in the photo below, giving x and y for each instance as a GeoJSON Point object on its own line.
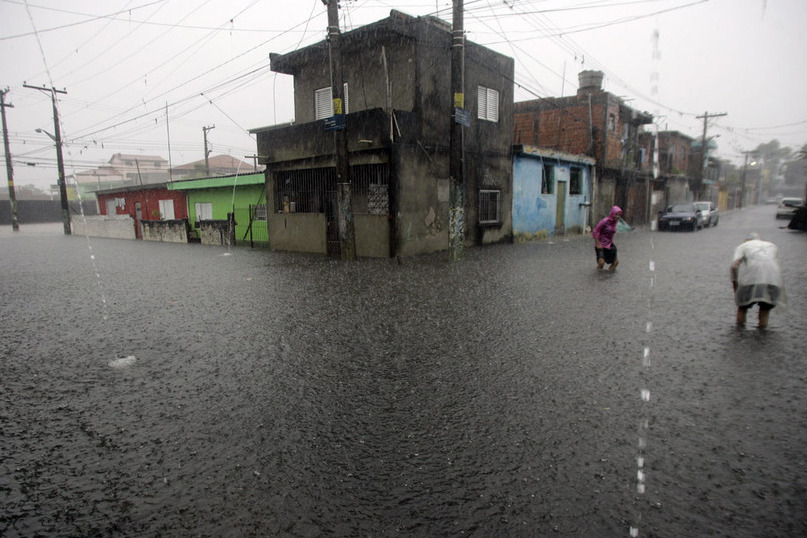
{"type": "Point", "coordinates": [600, 125]}
{"type": "Point", "coordinates": [399, 108]}
{"type": "Point", "coordinates": [552, 193]}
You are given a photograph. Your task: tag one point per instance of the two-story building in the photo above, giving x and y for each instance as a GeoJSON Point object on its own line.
{"type": "Point", "coordinates": [598, 124]}
{"type": "Point", "coordinates": [673, 182]}
{"type": "Point", "coordinates": [399, 108]}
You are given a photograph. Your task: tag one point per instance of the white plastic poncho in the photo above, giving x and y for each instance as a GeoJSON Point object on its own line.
{"type": "Point", "coordinates": [759, 274]}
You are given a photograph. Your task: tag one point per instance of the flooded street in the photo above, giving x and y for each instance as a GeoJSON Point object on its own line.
{"type": "Point", "coordinates": [275, 394]}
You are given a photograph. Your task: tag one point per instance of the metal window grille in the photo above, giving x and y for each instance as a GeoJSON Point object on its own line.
{"type": "Point", "coordinates": [309, 191]}
{"type": "Point", "coordinates": [488, 206]}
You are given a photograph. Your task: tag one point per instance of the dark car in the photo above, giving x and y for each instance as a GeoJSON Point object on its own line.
{"type": "Point", "coordinates": [683, 216]}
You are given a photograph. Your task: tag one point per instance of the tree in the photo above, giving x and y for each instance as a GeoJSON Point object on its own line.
{"type": "Point", "coordinates": [795, 170]}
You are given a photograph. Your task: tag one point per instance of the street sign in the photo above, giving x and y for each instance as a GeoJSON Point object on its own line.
{"type": "Point", "coordinates": [462, 116]}
{"type": "Point", "coordinates": [335, 123]}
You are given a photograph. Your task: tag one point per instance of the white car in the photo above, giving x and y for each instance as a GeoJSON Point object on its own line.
{"type": "Point", "coordinates": [787, 208]}
{"type": "Point", "coordinates": [709, 214]}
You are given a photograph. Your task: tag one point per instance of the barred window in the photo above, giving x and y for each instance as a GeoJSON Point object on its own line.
{"type": "Point", "coordinates": [311, 190]}
{"type": "Point", "coordinates": [575, 181]}
{"type": "Point", "coordinates": [488, 206]}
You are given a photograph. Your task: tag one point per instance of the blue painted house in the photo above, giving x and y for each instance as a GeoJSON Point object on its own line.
{"type": "Point", "coordinates": [552, 192]}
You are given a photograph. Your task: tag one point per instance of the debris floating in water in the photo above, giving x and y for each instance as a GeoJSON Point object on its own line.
{"type": "Point", "coordinates": [123, 362]}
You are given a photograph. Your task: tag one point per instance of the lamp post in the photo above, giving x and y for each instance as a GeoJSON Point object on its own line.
{"type": "Point", "coordinates": [62, 186]}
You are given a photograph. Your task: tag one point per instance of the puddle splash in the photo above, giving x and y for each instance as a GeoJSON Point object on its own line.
{"type": "Point", "coordinates": [123, 362]}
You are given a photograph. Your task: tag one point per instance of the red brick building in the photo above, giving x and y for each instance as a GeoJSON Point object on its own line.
{"type": "Point", "coordinates": [598, 124]}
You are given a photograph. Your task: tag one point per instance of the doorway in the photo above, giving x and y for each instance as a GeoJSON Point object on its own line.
{"type": "Point", "coordinates": [560, 210]}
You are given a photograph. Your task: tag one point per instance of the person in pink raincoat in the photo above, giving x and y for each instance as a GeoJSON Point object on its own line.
{"type": "Point", "coordinates": [603, 234]}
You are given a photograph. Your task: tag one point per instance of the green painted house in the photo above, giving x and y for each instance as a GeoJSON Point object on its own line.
{"type": "Point", "coordinates": [210, 200]}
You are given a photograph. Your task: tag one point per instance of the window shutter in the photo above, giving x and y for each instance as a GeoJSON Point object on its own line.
{"type": "Point", "coordinates": [482, 98]}
{"type": "Point", "coordinates": [323, 102]}
{"type": "Point", "coordinates": [488, 107]}
{"type": "Point", "coordinates": [493, 105]}
{"type": "Point", "coordinates": [323, 107]}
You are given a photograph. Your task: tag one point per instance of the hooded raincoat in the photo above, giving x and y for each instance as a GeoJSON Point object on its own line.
{"type": "Point", "coordinates": [759, 276]}
{"type": "Point", "coordinates": [604, 231]}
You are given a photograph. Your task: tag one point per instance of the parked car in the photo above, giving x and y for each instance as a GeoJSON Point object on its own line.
{"type": "Point", "coordinates": [709, 214]}
{"type": "Point", "coordinates": [680, 216]}
{"type": "Point", "coordinates": [787, 208]}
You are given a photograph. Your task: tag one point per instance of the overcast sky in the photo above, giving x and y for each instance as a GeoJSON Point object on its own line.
{"type": "Point", "coordinates": [127, 65]}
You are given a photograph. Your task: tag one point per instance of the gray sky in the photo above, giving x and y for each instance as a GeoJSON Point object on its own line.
{"type": "Point", "coordinates": [123, 62]}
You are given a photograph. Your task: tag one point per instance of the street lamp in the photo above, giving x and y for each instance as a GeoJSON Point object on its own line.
{"type": "Point", "coordinates": [62, 186]}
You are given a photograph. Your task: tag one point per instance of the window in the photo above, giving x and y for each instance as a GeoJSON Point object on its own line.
{"type": "Point", "coordinates": [377, 199]}
{"type": "Point", "coordinates": [259, 212]}
{"type": "Point", "coordinates": [575, 181]}
{"type": "Point", "coordinates": [488, 104]}
{"type": "Point", "coordinates": [488, 207]}
{"type": "Point", "coordinates": [166, 210]}
{"type": "Point", "coordinates": [111, 206]}
{"type": "Point", "coordinates": [323, 102]}
{"type": "Point", "coordinates": [548, 179]}
{"type": "Point", "coordinates": [204, 211]}
{"type": "Point", "coordinates": [611, 122]}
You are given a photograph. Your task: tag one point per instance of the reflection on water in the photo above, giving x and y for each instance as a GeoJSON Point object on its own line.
{"type": "Point", "coordinates": [291, 395]}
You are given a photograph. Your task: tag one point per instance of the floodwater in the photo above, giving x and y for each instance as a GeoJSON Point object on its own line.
{"type": "Point", "coordinates": [154, 389]}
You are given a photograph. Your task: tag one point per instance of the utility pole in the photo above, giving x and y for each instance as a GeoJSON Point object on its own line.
{"type": "Point", "coordinates": [168, 132]}
{"type": "Point", "coordinates": [456, 221]}
{"type": "Point", "coordinates": [254, 158]}
{"type": "Point", "coordinates": [12, 196]}
{"type": "Point", "coordinates": [742, 185]}
{"type": "Point", "coordinates": [704, 149]}
{"type": "Point", "coordinates": [207, 151]}
{"type": "Point", "coordinates": [347, 237]}
{"type": "Point", "coordinates": [57, 137]}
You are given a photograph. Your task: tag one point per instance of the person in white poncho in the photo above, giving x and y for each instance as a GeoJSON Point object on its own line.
{"type": "Point", "coordinates": [757, 278]}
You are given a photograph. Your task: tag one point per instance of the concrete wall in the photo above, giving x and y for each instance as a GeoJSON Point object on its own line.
{"type": "Point", "coordinates": [372, 236]}
{"type": "Point", "coordinates": [423, 203]}
{"type": "Point", "coordinates": [114, 226]}
{"type": "Point", "coordinates": [298, 232]}
{"type": "Point", "coordinates": [216, 232]}
{"type": "Point", "coordinates": [168, 231]}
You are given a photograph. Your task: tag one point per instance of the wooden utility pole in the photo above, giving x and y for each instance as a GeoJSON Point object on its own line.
{"type": "Point", "coordinates": [207, 151]}
{"type": "Point", "coordinates": [456, 222]}
{"type": "Point", "coordinates": [704, 156]}
{"type": "Point", "coordinates": [57, 137]}
{"type": "Point", "coordinates": [12, 196]}
{"type": "Point", "coordinates": [742, 184]}
{"type": "Point", "coordinates": [347, 238]}
{"type": "Point", "coordinates": [254, 158]}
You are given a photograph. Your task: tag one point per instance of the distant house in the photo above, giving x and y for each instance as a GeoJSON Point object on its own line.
{"type": "Point", "coordinates": [123, 170]}
{"type": "Point", "coordinates": [552, 192]}
{"type": "Point", "coordinates": [216, 166]}
{"type": "Point", "coordinates": [399, 110]}
{"type": "Point", "coordinates": [674, 182]}
{"type": "Point", "coordinates": [143, 204]}
{"type": "Point", "coordinates": [212, 200]}
{"type": "Point", "coordinates": [598, 124]}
